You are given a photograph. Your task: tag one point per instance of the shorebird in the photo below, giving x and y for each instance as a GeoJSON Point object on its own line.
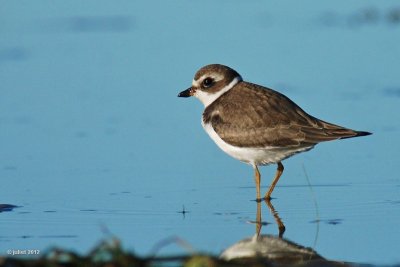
{"type": "Point", "coordinates": [256, 124]}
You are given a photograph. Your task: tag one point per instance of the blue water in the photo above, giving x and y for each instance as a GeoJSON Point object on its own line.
{"type": "Point", "coordinates": [94, 141]}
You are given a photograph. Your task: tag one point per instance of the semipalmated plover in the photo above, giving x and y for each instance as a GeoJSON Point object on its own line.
{"type": "Point", "coordinates": [255, 124]}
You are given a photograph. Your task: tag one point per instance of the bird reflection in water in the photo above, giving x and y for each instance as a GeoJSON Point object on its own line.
{"type": "Point", "coordinates": [259, 223]}
{"type": "Point", "coordinates": [271, 248]}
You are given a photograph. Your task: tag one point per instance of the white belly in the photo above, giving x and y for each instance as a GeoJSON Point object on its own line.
{"type": "Point", "coordinates": [254, 156]}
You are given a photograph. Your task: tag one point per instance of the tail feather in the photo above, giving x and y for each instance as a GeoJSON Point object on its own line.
{"type": "Point", "coordinates": [326, 131]}
{"type": "Point", "coordinates": [356, 134]}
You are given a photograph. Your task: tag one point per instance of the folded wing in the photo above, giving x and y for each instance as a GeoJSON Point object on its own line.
{"type": "Point", "coordinates": [273, 120]}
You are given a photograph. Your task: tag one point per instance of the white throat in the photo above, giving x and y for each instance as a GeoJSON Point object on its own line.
{"type": "Point", "coordinates": [207, 98]}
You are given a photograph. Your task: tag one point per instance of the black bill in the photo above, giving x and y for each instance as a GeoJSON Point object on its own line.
{"type": "Point", "coordinates": [187, 93]}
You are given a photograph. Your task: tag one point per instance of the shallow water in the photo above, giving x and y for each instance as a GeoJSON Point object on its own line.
{"type": "Point", "coordinates": [94, 141]}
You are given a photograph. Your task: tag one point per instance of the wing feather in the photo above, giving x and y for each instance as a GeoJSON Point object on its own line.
{"type": "Point", "coordinates": [272, 120]}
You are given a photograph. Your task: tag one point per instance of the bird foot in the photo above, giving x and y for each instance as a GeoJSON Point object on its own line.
{"type": "Point", "coordinates": [266, 198]}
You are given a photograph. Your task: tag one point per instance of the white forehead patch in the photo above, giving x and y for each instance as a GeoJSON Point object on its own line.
{"type": "Point", "coordinates": [195, 83]}
{"type": "Point", "coordinates": [207, 98]}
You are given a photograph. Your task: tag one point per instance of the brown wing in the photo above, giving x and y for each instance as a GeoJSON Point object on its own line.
{"type": "Point", "coordinates": [271, 120]}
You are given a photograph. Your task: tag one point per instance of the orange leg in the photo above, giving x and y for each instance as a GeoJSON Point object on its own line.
{"type": "Point", "coordinates": [278, 174]}
{"type": "Point", "coordinates": [278, 219]}
{"type": "Point", "coordinates": [258, 219]}
{"type": "Point", "coordinates": [257, 179]}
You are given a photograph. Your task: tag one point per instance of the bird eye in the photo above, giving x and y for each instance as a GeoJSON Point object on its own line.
{"type": "Point", "coordinates": [208, 82]}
